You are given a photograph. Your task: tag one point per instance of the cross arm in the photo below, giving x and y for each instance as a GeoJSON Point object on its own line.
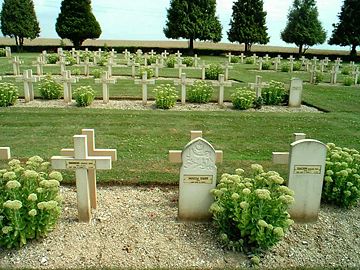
{"type": "Point", "coordinates": [175, 156]}
{"type": "Point", "coordinates": [69, 152]}
{"type": "Point", "coordinates": [280, 157]}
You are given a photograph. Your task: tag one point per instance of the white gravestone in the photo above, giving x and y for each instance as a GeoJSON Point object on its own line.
{"type": "Point", "coordinates": [67, 80]}
{"type": "Point", "coordinates": [295, 95]}
{"type": "Point", "coordinates": [16, 62]}
{"type": "Point", "coordinates": [197, 178]}
{"type": "Point", "coordinates": [8, 52]}
{"type": "Point", "coordinates": [92, 151]}
{"type": "Point", "coordinates": [81, 162]}
{"type": "Point", "coordinates": [105, 80]}
{"type": "Point", "coordinates": [144, 81]}
{"type": "Point", "coordinates": [5, 153]}
{"type": "Point", "coordinates": [258, 85]}
{"type": "Point", "coordinates": [183, 82]}
{"type": "Point", "coordinates": [28, 79]}
{"type": "Point", "coordinates": [221, 83]}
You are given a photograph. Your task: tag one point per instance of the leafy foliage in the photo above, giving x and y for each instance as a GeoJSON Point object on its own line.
{"type": "Point", "coordinates": [171, 61]}
{"type": "Point", "coordinates": [29, 201]}
{"type": "Point", "coordinates": [8, 94]}
{"type": "Point", "coordinates": [49, 88]}
{"type": "Point", "coordinates": [248, 23]}
{"type": "Point", "coordinates": [303, 27]}
{"type": "Point", "coordinates": [348, 81]}
{"type": "Point", "coordinates": [193, 20]}
{"type": "Point", "coordinates": [2, 52]}
{"type": "Point", "coordinates": [188, 61]}
{"type": "Point", "coordinates": [213, 71]}
{"type": "Point", "coordinates": [251, 212]}
{"type": "Point", "coordinates": [200, 92]}
{"type": "Point", "coordinates": [97, 72]}
{"type": "Point", "coordinates": [18, 20]}
{"type": "Point", "coordinates": [52, 58]}
{"type": "Point", "coordinates": [165, 96]}
{"type": "Point", "coordinates": [84, 96]}
{"type": "Point", "coordinates": [77, 22]}
{"type": "Point", "coordinates": [342, 179]}
{"type": "Point", "coordinates": [243, 98]}
{"type": "Point", "coordinates": [274, 94]}
{"type": "Point", "coordinates": [148, 70]}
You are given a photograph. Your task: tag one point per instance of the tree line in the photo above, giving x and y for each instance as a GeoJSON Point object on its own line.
{"type": "Point", "coordinates": [196, 20]}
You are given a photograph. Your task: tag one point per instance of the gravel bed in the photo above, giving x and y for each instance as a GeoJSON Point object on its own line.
{"type": "Point", "coordinates": [136, 227]}
{"type": "Point", "coordinates": [137, 105]}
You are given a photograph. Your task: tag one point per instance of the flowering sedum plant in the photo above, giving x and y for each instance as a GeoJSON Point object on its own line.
{"type": "Point", "coordinates": [274, 94]}
{"type": "Point", "coordinates": [243, 98]}
{"type": "Point", "coordinates": [212, 73]}
{"type": "Point", "coordinates": [165, 96]}
{"type": "Point", "coordinates": [342, 177]}
{"type": "Point", "coordinates": [49, 88]}
{"type": "Point", "coordinates": [251, 212]}
{"type": "Point", "coordinates": [200, 92]}
{"type": "Point", "coordinates": [29, 201]}
{"type": "Point", "coordinates": [84, 96]}
{"type": "Point", "coordinates": [148, 70]}
{"type": "Point", "coordinates": [8, 94]}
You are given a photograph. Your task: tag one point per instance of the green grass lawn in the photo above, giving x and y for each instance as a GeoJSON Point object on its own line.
{"type": "Point", "coordinates": [143, 138]}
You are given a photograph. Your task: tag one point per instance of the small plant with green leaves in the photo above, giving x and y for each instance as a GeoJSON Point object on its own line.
{"type": "Point", "coordinates": [346, 71]}
{"type": "Point", "coordinates": [200, 92]}
{"type": "Point", "coordinates": [319, 77]}
{"type": "Point", "coordinates": [249, 60]}
{"type": "Point", "coordinates": [152, 60]}
{"type": "Point", "coordinates": [274, 94]}
{"type": "Point", "coordinates": [188, 61]}
{"type": "Point", "coordinates": [213, 71]}
{"type": "Point", "coordinates": [70, 60]}
{"type": "Point", "coordinates": [9, 94]}
{"type": "Point", "coordinates": [266, 65]}
{"type": "Point", "coordinates": [86, 55]}
{"type": "Point", "coordinates": [165, 96]}
{"type": "Point", "coordinates": [251, 212]}
{"type": "Point", "coordinates": [148, 70]}
{"type": "Point", "coordinates": [49, 88]}
{"type": "Point", "coordinates": [102, 61]}
{"type": "Point", "coordinates": [349, 81]}
{"type": "Point", "coordinates": [285, 67]}
{"type": "Point", "coordinates": [243, 98]}
{"type": "Point", "coordinates": [76, 71]}
{"type": "Point", "coordinates": [52, 58]}
{"type": "Point", "coordinates": [297, 66]}
{"type": "Point", "coordinates": [342, 176]}
{"type": "Point", "coordinates": [235, 59]}
{"type": "Point", "coordinates": [97, 72]}
{"type": "Point", "coordinates": [84, 96]}
{"type": "Point", "coordinates": [30, 202]}
{"type": "Point", "coordinates": [170, 61]}
{"type": "Point", "coordinates": [2, 52]}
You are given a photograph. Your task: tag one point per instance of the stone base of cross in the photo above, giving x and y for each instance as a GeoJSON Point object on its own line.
{"type": "Point", "coordinates": [283, 157]}
{"type": "Point", "coordinates": [105, 80]}
{"type": "Point", "coordinates": [28, 79]}
{"type": "Point", "coordinates": [183, 82]}
{"type": "Point", "coordinates": [5, 153]}
{"type": "Point", "coordinates": [144, 81]}
{"type": "Point", "coordinates": [81, 162]}
{"type": "Point", "coordinates": [222, 83]}
{"type": "Point", "coordinates": [258, 85]}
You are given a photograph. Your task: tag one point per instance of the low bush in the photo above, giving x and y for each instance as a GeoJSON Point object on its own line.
{"type": "Point", "coordinates": [346, 71]}
{"type": "Point", "coordinates": [170, 61]}
{"type": "Point", "coordinates": [84, 96]}
{"type": "Point", "coordinates": [148, 70]}
{"type": "Point", "coordinates": [9, 94]}
{"type": "Point", "coordinates": [249, 60]}
{"type": "Point", "coordinates": [243, 98]}
{"type": "Point", "coordinates": [200, 92]}
{"type": "Point", "coordinates": [97, 73]}
{"type": "Point", "coordinates": [285, 67]}
{"type": "Point", "coordinates": [319, 77]}
{"type": "Point", "coordinates": [266, 65]}
{"type": "Point", "coordinates": [251, 212]}
{"type": "Point", "coordinates": [49, 88]}
{"type": "Point", "coordinates": [52, 58]}
{"type": "Point", "coordinates": [274, 94]}
{"type": "Point", "coordinates": [349, 81]}
{"type": "Point", "coordinates": [76, 71]}
{"type": "Point", "coordinates": [342, 176]}
{"type": "Point", "coordinates": [2, 52]}
{"type": "Point", "coordinates": [70, 61]}
{"type": "Point", "coordinates": [213, 71]}
{"type": "Point", "coordinates": [188, 61]}
{"type": "Point", "coordinates": [102, 61]}
{"type": "Point", "coordinates": [30, 202]}
{"type": "Point", "coordinates": [86, 54]}
{"type": "Point", "coordinates": [165, 96]}
{"type": "Point", "coordinates": [152, 60]}
{"type": "Point", "coordinates": [235, 59]}
{"type": "Point", "coordinates": [297, 66]}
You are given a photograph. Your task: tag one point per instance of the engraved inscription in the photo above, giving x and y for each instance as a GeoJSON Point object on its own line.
{"type": "Point", "coordinates": [199, 155]}
{"type": "Point", "coordinates": [307, 169]}
{"type": "Point", "coordinates": [80, 164]}
{"type": "Point", "coordinates": [198, 179]}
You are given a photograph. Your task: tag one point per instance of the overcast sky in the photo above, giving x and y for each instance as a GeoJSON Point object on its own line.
{"type": "Point", "coordinates": [145, 19]}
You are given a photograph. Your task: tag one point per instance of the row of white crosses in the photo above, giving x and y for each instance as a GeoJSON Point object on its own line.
{"type": "Point", "coordinates": [28, 79]}
{"type": "Point", "coordinates": [306, 161]}
{"type": "Point", "coordinates": [85, 159]}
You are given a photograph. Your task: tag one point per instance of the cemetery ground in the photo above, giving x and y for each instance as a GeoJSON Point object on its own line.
{"type": "Point", "coordinates": [136, 226]}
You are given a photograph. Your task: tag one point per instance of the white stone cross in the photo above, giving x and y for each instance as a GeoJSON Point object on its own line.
{"type": "Point", "coordinates": [157, 66]}
{"type": "Point", "coordinates": [196, 60]}
{"type": "Point", "coordinates": [334, 72]}
{"type": "Point", "coordinates": [356, 73]}
{"type": "Point", "coordinates": [105, 80]}
{"type": "Point", "coordinates": [242, 56]}
{"type": "Point", "coordinates": [146, 57]}
{"type": "Point", "coordinates": [227, 66]}
{"type": "Point", "coordinates": [67, 80]}
{"type": "Point", "coordinates": [110, 64]}
{"type": "Point", "coordinates": [197, 177]}
{"type": "Point", "coordinates": [60, 52]}
{"type": "Point", "coordinates": [62, 62]}
{"type": "Point", "coordinates": [87, 65]}
{"type": "Point", "coordinates": [326, 60]}
{"type": "Point", "coordinates": [277, 62]}
{"type": "Point", "coordinates": [139, 52]}
{"type": "Point", "coordinates": [338, 61]}
{"type": "Point", "coordinates": [133, 66]}
{"type": "Point", "coordinates": [5, 153]}
{"type": "Point", "coordinates": [221, 83]}
{"type": "Point", "coordinates": [180, 66]}
{"type": "Point", "coordinates": [254, 57]}
{"type": "Point", "coordinates": [313, 72]}
{"type": "Point", "coordinates": [40, 62]}
{"type": "Point", "coordinates": [92, 151]}
{"type": "Point", "coordinates": [16, 62]}
{"type": "Point", "coordinates": [203, 67]}
{"type": "Point", "coordinates": [267, 57]}
{"type": "Point", "coordinates": [152, 53]}
{"type": "Point", "coordinates": [165, 54]}
{"type": "Point", "coordinates": [303, 59]}
{"type": "Point", "coordinates": [258, 85]}
{"type": "Point", "coordinates": [8, 52]}
{"type": "Point", "coordinates": [291, 60]}
{"type": "Point", "coordinates": [144, 81]}
{"type": "Point", "coordinates": [28, 79]}
{"type": "Point", "coordinates": [178, 55]}
{"type": "Point", "coordinates": [126, 54]}
{"type": "Point", "coordinates": [322, 65]}
{"type": "Point", "coordinates": [73, 52]}
{"type": "Point", "coordinates": [183, 82]}
{"type": "Point", "coordinates": [315, 59]}
{"type": "Point", "coordinates": [229, 55]}
{"type": "Point", "coordinates": [81, 162]}
{"type": "Point", "coordinates": [260, 61]}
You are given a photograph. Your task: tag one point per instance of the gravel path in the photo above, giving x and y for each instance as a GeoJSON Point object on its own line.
{"type": "Point", "coordinates": [136, 227]}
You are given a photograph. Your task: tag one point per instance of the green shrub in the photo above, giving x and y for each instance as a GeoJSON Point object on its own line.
{"type": "Point", "coordinates": [243, 98]}
{"type": "Point", "coordinates": [188, 61]}
{"type": "Point", "coordinates": [2, 52]}
{"type": "Point", "coordinates": [49, 88]}
{"type": "Point", "coordinates": [342, 180]}
{"type": "Point", "coordinates": [76, 71]}
{"type": "Point", "coordinates": [249, 60]}
{"type": "Point", "coordinates": [285, 67]}
{"type": "Point", "coordinates": [30, 202]}
{"type": "Point", "coordinates": [235, 60]}
{"type": "Point", "coordinates": [70, 61]}
{"type": "Point", "coordinates": [319, 77]}
{"type": "Point", "coordinates": [84, 96]}
{"type": "Point", "coordinates": [9, 94]}
{"type": "Point", "coordinates": [97, 73]}
{"type": "Point", "coordinates": [52, 58]}
{"type": "Point", "coordinates": [200, 92]}
{"type": "Point", "coordinates": [86, 54]}
{"type": "Point", "coordinates": [274, 94]}
{"type": "Point", "coordinates": [148, 70]}
{"type": "Point", "coordinates": [346, 71]}
{"type": "Point", "coordinates": [297, 66]}
{"type": "Point", "coordinates": [102, 61]}
{"type": "Point", "coordinates": [251, 212]}
{"type": "Point", "coordinates": [165, 96]}
{"type": "Point", "coordinates": [171, 61]}
{"type": "Point", "coordinates": [212, 73]}
{"type": "Point", "coordinates": [152, 60]}
{"type": "Point", "coordinates": [266, 65]}
{"type": "Point", "coordinates": [349, 81]}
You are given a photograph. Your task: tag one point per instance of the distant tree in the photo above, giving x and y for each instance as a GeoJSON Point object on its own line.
{"type": "Point", "coordinates": [347, 31]}
{"type": "Point", "coordinates": [303, 27]}
{"type": "Point", "coordinates": [77, 22]}
{"type": "Point", "coordinates": [18, 20]}
{"type": "Point", "coordinates": [248, 23]}
{"type": "Point", "coordinates": [193, 19]}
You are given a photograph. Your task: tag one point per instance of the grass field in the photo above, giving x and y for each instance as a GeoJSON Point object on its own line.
{"type": "Point", "coordinates": [143, 138]}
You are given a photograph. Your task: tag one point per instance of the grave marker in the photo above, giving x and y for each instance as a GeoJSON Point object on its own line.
{"type": "Point", "coordinates": [356, 73]}
{"type": "Point", "coordinates": [28, 79]}
{"type": "Point", "coordinates": [5, 153]}
{"type": "Point", "coordinates": [295, 95]}
{"type": "Point", "coordinates": [180, 66]}
{"type": "Point", "coordinates": [87, 65]}
{"type": "Point", "coordinates": [40, 62]}
{"type": "Point", "coordinates": [133, 65]}
{"type": "Point", "coordinates": [222, 83]}
{"type": "Point", "coordinates": [81, 162]}
{"type": "Point", "coordinates": [334, 72]}
{"type": "Point", "coordinates": [196, 61]}
{"type": "Point", "coordinates": [7, 52]}
{"type": "Point", "coordinates": [258, 85]}
{"type": "Point", "coordinates": [67, 80]}
{"type": "Point", "coordinates": [183, 82]}
{"type": "Point", "coordinates": [227, 66]}
{"type": "Point", "coordinates": [16, 62]}
{"type": "Point", "coordinates": [144, 81]}
{"type": "Point", "coordinates": [267, 58]}
{"type": "Point", "coordinates": [242, 56]}
{"type": "Point", "coordinates": [260, 61]}
{"type": "Point", "coordinates": [105, 80]}
{"type": "Point", "coordinates": [313, 73]}
{"type": "Point", "coordinates": [197, 177]}
{"type": "Point", "coordinates": [291, 60]}
{"type": "Point", "coordinates": [203, 67]}
{"type": "Point", "coordinates": [229, 57]}
{"type": "Point", "coordinates": [157, 66]}
{"type": "Point", "coordinates": [62, 63]}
